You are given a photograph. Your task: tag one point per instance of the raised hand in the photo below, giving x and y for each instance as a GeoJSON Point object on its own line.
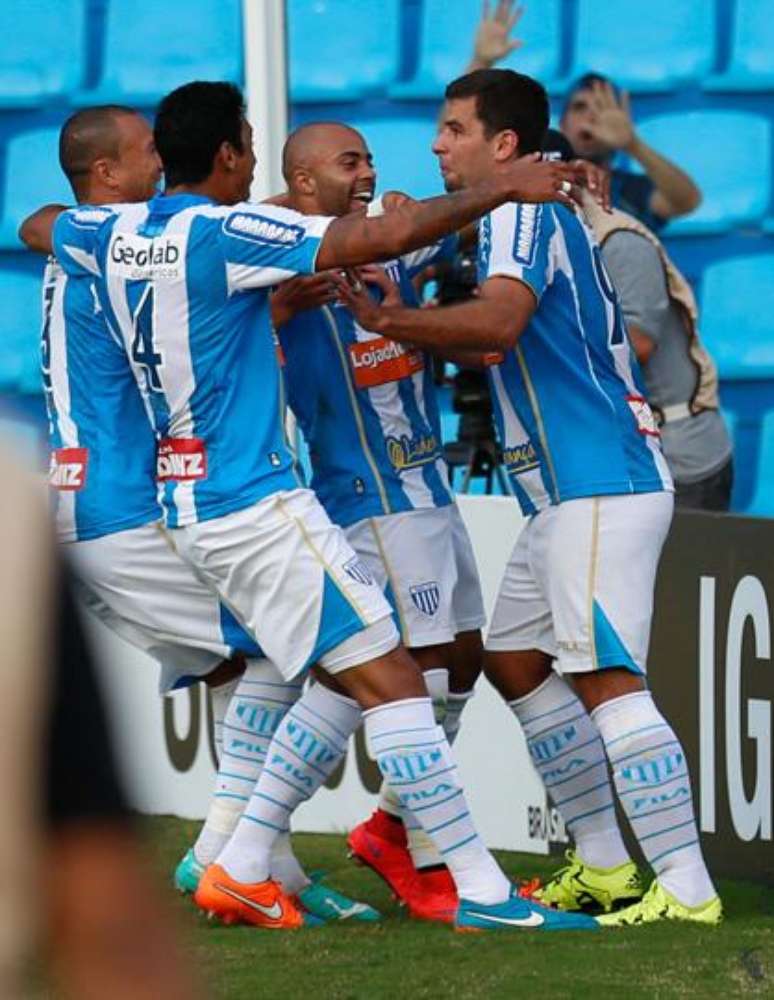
{"type": "Point", "coordinates": [493, 40]}
{"type": "Point", "coordinates": [353, 293]}
{"type": "Point", "coordinates": [299, 294]}
{"type": "Point", "coordinates": [531, 179]}
{"type": "Point", "coordinates": [611, 120]}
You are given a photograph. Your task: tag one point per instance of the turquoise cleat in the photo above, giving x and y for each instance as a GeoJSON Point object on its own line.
{"type": "Point", "coordinates": [519, 914]}
{"type": "Point", "coordinates": [188, 873]}
{"type": "Point", "coordinates": [329, 905]}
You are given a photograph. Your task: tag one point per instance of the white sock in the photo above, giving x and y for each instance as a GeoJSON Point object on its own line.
{"type": "Point", "coordinates": [568, 754]}
{"type": "Point", "coordinates": [414, 757]}
{"type": "Point", "coordinates": [651, 777]}
{"type": "Point", "coordinates": [455, 706]}
{"type": "Point", "coordinates": [285, 867]}
{"type": "Point", "coordinates": [259, 703]}
{"type": "Point", "coordinates": [309, 743]}
{"type": "Point", "coordinates": [437, 682]}
{"type": "Point", "coordinates": [220, 699]}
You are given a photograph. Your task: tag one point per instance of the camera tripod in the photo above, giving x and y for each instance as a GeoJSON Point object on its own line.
{"type": "Point", "coordinates": [479, 458]}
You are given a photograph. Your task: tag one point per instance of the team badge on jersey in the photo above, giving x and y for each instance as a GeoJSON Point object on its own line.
{"type": "Point", "coordinates": [426, 597]}
{"type": "Point", "coordinates": [358, 570]}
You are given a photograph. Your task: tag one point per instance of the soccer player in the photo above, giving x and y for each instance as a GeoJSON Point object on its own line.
{"type": "Point", "coordinates": [103, 471]}
{"type": "Point", "coordinates": [184, 279]}
{"type": "Point", "coordinates": [369, 413]}
{"type": "Point", "coordinates": [582, 451]}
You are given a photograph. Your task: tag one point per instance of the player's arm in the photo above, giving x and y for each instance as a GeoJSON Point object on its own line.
{"type": "Point", "coordinates": [356, 239]}
{"type": "Point", "coordinates": [37, 229]}
{"type": "Point", "coordinates": [492, 322]}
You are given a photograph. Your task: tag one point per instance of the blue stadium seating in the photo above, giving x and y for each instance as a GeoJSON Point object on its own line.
{"type": "Point", "coordinates": [339, 51]}
{"type": "Point", "coordinates": [151, 48]}
{"type": "Point", "coordinates": [737, 306]}
{"type": "Point", "coordinates": [651, 46]}
{"type": "Point", "coordinates": [19, 330]}
{"type": "Point", "coordinates": [32, 178]}
{"type": "Point", "coordinates": [728, 153]}
{"type": "Point", "coordinates": [42, 51]}
{"type": "Point", "coordinates": [402, 156]}
{"type": "Point", "coordinates": [751, 64]}
{"type": "Point", "coordinates": [446, 38]}
{"type": "Point", "coordinates": [762, 501]}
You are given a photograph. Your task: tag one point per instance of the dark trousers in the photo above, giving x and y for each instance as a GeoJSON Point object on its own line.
{"type": "Point", "coordinates": [712, 493]}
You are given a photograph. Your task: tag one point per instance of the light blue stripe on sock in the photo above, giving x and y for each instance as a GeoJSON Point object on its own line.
{"type": "Point", "coordinates": [654, 812]}
{"type": "Point", "coordinates": [542, 715]}
{"type": "Point", "coordinates": [449, 822]}
{"type": "Point", "coordinates": [564, 753]}
{"type": "Point", "coordinates": [579, 795]}
{"type": "Point", "coordinates": [278, 777]}
{"type": "Point", "coordinates": [232, 795]}
{"type": "Point", "coordinates": [237, 777]}
{"type": "Point", "coordinates": [409, 747]}
{"type": "Point", "coordinates": [432, 805]}
{"type": "Point", "coordinates": [424, 777]}
{"type": "Point", "coordinates": [462, 843]}
{"type": "Point", "coordinates": [263, 822]}
{"type": "Point", "coordinates": [669, 829]}
{"type": "Point", "coordinates": [672, 850]}
{"type": "Point", "coordinates": [636, 732]}
{"type": "Point", "coordinates": [298, 756]}
{"type": "Point", "coordinates": [576, 774]}
{"type": "Point", "coordinates": [268, 798]}
{"type": "Point", "coordinates": [643, 788]}
{"type": "Point", "coordinates": [259, 757]}
{"type": "Point", "coordinates": [557, 725]}
{"type": "Point", "coordinates": [293, 717]}
{"type": "Point", "coordinates": [642, 752]}
{"type": "Point", "coordinates": [592, 812]}
{"type": "Point", "coordinates": [301, 706]}
{"type": "Point", "coordinates": [394, 732]}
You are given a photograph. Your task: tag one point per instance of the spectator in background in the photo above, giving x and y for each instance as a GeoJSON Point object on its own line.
{"type": "Point", "coordinates": [680, 377]}
{"type": "Point", "coordinates": [597, 121]}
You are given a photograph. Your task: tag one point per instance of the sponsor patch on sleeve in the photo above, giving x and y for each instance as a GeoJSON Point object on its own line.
{"type": "Point", "coordinates": [260, 229]}
{"type": "Point", "coordinates": [525, 233]}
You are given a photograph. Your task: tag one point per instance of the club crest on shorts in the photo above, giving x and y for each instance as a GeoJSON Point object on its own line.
{"type": "Point", "coordinates": [358, 570]}
{"type": "Point", "coordinates": [426, 597]}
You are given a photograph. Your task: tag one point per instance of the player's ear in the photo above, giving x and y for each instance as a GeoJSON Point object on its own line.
{"type": "Point", "coordinates": [104, 171]}
{"type": "Point", "coordinates": [227, 156]}
{"type": "Point", "coordinates": [506, 145]}
{"type": "Point", "coordinates": [304, 182]}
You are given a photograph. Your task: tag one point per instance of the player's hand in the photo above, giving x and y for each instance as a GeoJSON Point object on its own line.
{"type": "Point", "coordinates": [373, 274]}
{"type": "Point", "coordinates": [493, 40]}
{"type": "Point", "coordinates": [353, 293]}
{"type": "Point", "coordinates": [391, 200]}
{"type": "Point", "coordinates": [531, 179]}
{"type": "Point", "coordinates": [611, 120]}
{"type": "Point", "coordinates": [299, 294]}
{"type": "Point", "coordinates": [595, 180]}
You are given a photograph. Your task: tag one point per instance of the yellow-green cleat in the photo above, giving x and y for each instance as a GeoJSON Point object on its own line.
{"type": "Point", "coordinates": [658, 904]}
{"type": "Point", "coordinates": [579, 886]}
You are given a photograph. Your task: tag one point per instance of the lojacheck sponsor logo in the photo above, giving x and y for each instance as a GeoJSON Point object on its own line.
{"type": "Point", "coordinates": [144, 258]}
{"type": "Point", "coordinates": [67, 469]}
{"type": "Point", "coordinates": [379, 360]}
{"type": "Point", "coordinates": [260, 229]}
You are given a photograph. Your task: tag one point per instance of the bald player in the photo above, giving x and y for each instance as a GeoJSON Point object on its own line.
{"type": "Point", "coordinates": [368, 410]}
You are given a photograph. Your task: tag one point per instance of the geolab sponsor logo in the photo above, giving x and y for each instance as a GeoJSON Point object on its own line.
{"type": "Point", "coordinates": [143, 258]}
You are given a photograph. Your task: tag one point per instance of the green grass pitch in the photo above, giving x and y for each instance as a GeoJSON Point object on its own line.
{"type": "Point", "coordinates": [401, 958]}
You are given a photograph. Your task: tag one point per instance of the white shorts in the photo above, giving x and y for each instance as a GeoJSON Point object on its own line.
{"type": "Point", "coordinates": [293, 581]}
{"type": "Point", "coordinates": [467, 599]}
{"type": "Point", "coordinates": [411, 556]}
{"type": "Point", "coordinates": [140, 588]}
{"type": "Point", "coordinates": [579, 583]}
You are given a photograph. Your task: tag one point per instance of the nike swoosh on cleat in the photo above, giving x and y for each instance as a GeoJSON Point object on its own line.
{"type": "Point", "coordinates": [533, 920]}
{"type": "Point", "coordinates": [273, 912]}
{"type": "Point", "coordinates": [346, 911]}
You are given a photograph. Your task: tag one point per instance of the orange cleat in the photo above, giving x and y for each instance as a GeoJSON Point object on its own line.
{"type": "Point", "coordinates": [262, 904]}
{"type": "Point", "coordinates": [433, 896]}
{"type": "Point", "coordinates": [380, 843]}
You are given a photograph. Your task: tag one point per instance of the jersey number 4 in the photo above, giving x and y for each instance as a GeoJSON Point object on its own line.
{"type": "Point", "coordinates": [144, 351]}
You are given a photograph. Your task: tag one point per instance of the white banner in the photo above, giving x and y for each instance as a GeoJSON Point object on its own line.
{"type": "Point", "coordinates": [165, 749]}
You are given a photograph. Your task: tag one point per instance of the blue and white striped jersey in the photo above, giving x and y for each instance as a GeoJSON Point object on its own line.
{"type": "Point", "coordinates": [103, 452]}
{"type": "Point", "coordinates": [568, 398]}
{"type": "Point", "coordinates": [367, 407]}
{"type": "Point", "coordinates": [185, 282]}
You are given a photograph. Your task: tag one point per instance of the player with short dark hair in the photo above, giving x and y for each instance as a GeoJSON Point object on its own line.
{"type": "Point", "coordinates": [580, 446]}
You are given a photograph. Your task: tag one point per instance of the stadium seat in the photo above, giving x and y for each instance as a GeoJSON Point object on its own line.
{"type": "Point", "coordinates": [402, 155]}
{"type": "Point", "coordinates": [645, 45]}
{"type": "Point", "coordinates": [32, 178]}
{"type": "Point", "coordinates": [339, 51]}
{"type": "Point", "coordinates": [762, 502]}
{"type": "Point", "coordinates": [728, 153]}
{"type": "Point", "coordinates": [751, 63]}
{"type": "Point", "coordinates": [446, 36]}
{"type": "Point", "coordinates": [42, 50]}
{"type": "Point", "coordinates": [737, 317]}
{"type": "Point", "coordinates": [19, 330]}
{"type": "Point", "coordinates": [151, 48]}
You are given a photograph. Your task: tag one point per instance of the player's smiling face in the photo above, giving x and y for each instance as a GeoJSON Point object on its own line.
{"type": "Point", "coordinates": [465, 154]}
{"type": "Point", "coordinates": [344, 174]}
{"type": "Point", "coordinates": [137, 166]}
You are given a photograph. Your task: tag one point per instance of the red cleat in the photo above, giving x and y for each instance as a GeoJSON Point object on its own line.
{"type": "Point", "coordinates": [433, 896]}
{"type": "Point", "coordinates": [380, 843]}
